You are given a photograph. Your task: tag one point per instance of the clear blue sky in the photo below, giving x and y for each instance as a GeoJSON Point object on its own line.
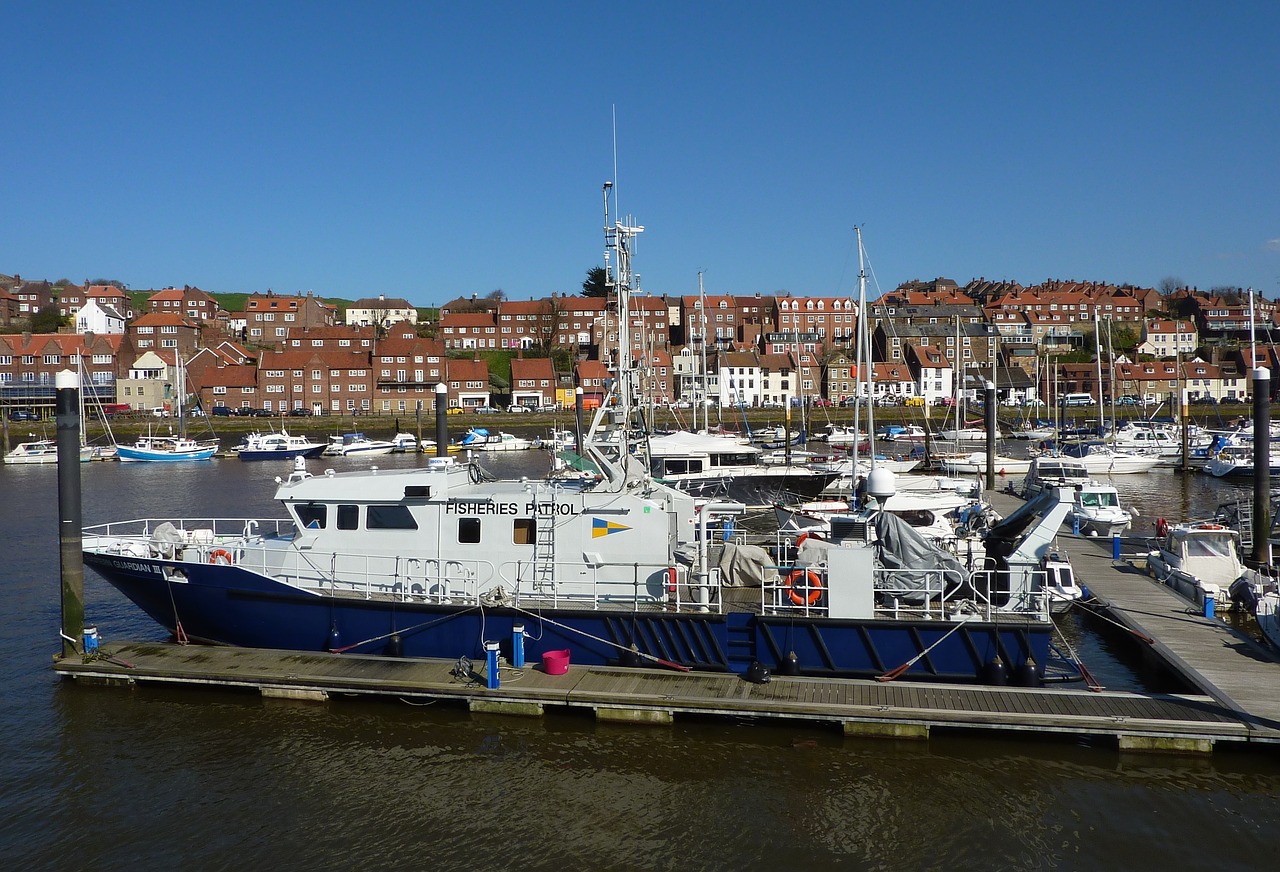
{"type": "Point", "coordinates": [427, 150]}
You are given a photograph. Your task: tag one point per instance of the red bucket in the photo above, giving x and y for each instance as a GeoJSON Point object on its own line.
{"type": "Point", "coordinates": [555, 662]}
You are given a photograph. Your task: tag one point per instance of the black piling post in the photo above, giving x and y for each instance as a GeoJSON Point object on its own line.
{"type": "Point", "coordinates": [991, 435]}
{"type": "Point", "coordinates": [442, 420]}
{"type": "Point", "coordinates": [71, 557]}
{"type": "Point", "coordinates": [417, 428]}
{"type": "Point", "coordinates": [1261, 465]}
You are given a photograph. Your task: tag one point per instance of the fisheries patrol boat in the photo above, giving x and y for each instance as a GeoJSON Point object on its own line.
{"type": "Point", "coordinates": [615, 567]}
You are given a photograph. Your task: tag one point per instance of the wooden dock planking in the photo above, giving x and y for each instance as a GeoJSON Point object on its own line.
{"type": "Point", "coordinates": [648, 693]}
{"type": "Point", "coordinates": [1238, 672]}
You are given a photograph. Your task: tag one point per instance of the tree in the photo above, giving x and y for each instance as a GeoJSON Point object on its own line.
{"type": "Point", "coordinates": [496, 296]}
{"type": "Point", "coordinates": [1169, 284]}
{"type": "Point", "coordinates": [596, 284]}
{"type": "Point", "coordinates": [48, 320]}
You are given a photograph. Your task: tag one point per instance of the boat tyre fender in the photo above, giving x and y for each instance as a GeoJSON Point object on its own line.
{"type": "Point", "coordinates": [221, 555]}
{"type": "Point", "coordinates": [1162, 527]}
{"type": "Point", "coordinates": [804, 587]}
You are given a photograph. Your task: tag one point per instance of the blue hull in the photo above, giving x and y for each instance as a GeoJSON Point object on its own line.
{"type": "Point", "coordinates": [282, 454]}
{"type": "Point", "coordinates": [135, 454]}
{"type": "Point", "coordinates": [232, 606]}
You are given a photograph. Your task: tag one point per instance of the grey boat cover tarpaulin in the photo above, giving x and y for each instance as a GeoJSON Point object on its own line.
{"type": "Point", "coordinates": [746, 566]}
{"type": "Point", "coordinates": [901, 548]}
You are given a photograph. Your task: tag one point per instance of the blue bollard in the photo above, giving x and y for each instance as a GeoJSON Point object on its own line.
{"type": "Point", "coordinates": [90, 640]}
{"type": "Point", "coordinates": [1115, 547]}
{"type": "Point", "coordinates": [491, 665]}
{"type": "Point", "coordinates": [1075, 525]}
{"type": "Point", "coordinates": [1209, 605]}
{"type": "Point", "coordinates": [517, 646]}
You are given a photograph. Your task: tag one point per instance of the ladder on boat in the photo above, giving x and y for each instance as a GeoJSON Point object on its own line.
{"type": "Point", "coordinates": [1244, 526]}
{"type": "Point", "coordinates": [544, 539]}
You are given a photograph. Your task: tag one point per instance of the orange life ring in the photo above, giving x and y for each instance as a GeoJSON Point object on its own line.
{"type": "Point", "coordinates": [811, 581]}
{"type": "Point", "coordinates": [222, 553]}
{"type": "Point", "coordinates": [1210, 527]}
{"type": "Point", "coordinates": [1162, 527]}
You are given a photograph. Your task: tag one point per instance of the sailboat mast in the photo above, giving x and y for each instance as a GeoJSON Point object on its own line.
{"type": "Point", "coordinates": [1097, 344]}
{"type": "Point", "coordinates": [865, 340]}
{"type": "Point", "coordinates": [702, 309]}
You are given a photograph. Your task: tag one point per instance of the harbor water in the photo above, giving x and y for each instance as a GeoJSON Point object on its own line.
{"type": "Point", "coordinates": [158, 778]}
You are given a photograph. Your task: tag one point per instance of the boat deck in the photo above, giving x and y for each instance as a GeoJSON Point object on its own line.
{"type": "Point", "coordinates": [1240, 673]}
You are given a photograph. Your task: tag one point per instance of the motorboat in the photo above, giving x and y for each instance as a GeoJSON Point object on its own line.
{"type": "Point", "coordinates": [37, 451]}
{"type": "Point", "coordinates": [278, 446]}
{"type": "Point", "coordinates": [356, 445]}
{"type": "Point", "coordinates": [1236, 461]}
{"type": "Point", "coordinates": [836, 434]}
{"type": "Point", "coordinates": [966, 434]}
{"type": "Point", "coordinates": [1096, 511]}
{"type": "Point", "coordinates": [405, 442]}
{"type": "Point", "coordinates": [480, 439]}
{"type": "Point", "coordinates": [902, 433]}
{"type": "Point", "coordinates": [1060, 582]}
{"type": "Point", "coordinates": [1198, 559]}
{"type": "Point", "coordinates": [976, 463]}
{"type": "Point", "coordinates": [619, 570]}
{"type": "Point", "coordinates": [1100, 459]}
{"type": "Point", "coordinates": [1261, 598]}
{"type": "Point", "coordinates": [1049, 471]}
{"type": "Point", "coordinates": [721, 467]}
{"type": "Point", "coordinates": [1033, 432]}
{"type": "Point", "coordinates": [167, 449]}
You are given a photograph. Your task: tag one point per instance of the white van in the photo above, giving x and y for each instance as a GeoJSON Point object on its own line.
{"type": "Point", "coordinates": [1078, 400]}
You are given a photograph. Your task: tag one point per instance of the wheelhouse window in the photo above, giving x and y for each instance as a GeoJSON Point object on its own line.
{"type": "Point", "coordinates": [348, 517]}
{"type": "Point", "coordinates": [392, 517]}
{"type": "Point", "coordinates": [311, 515]}
{"type": "Point", "coordinates": [523, 531]}
{"type": "Point", "coordinates": [469, 530]}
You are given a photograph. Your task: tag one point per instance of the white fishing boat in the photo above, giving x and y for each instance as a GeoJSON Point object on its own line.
{"type": "Point", "coordinates": [1033, 433]}
{"type": "Point", "coordinates": [837, 434]}
{"type": "Point", "coordinates": [1096, 511]}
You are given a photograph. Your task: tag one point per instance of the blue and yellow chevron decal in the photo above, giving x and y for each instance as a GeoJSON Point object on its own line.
{"type": "Point", "coordinates": [601, 527]}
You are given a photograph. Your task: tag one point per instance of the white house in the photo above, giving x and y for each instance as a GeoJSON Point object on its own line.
{"type": "Point", "coordinates": [740, 383]}
{"type": "Point", "coordinates": [380, 312]}
{"type": "Point", "coordinates": [99, 318]}
{"type": "Point", "coordinates": [932, 371]}
{"type": "Point", "coordinates": [1169, 338]}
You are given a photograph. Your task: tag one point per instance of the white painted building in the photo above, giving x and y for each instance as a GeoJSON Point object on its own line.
{"type": "Point", "coordinates": [99, 318]}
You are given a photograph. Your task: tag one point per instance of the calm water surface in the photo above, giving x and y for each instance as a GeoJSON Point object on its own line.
{"type": "Point", "coordinates": [113, 779]}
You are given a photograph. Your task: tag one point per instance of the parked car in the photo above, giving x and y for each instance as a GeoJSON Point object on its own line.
{"type": "Point", "coordinates": [300, 412]}
{"type": "Point", "coordinates": [913, 401]}
{"type": "Point", "coordinates": [222, 411]}
{"type": "Point", "coordinates": [771, 404]}
{"type": "Point", "coordinates": [945, 401]}
{"type": "Point", "coordinates": [516, 409]}
{"type": "Point", "coordinates": [1203, 400]}
{"type": "Point", "coordinates": [1127, 400]}
{"type": "Point", "coordinates": [485, 410]}
{"type": "Point", "coordinates": [159, 412]}
{"type": "Point", "coordinates": [453, 410]}
{"type": "Point", "coordinates": [23, 415]}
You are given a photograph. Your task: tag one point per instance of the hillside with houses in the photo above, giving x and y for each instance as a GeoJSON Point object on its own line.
{"type": "Point", "coordinates": [381, 355]}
